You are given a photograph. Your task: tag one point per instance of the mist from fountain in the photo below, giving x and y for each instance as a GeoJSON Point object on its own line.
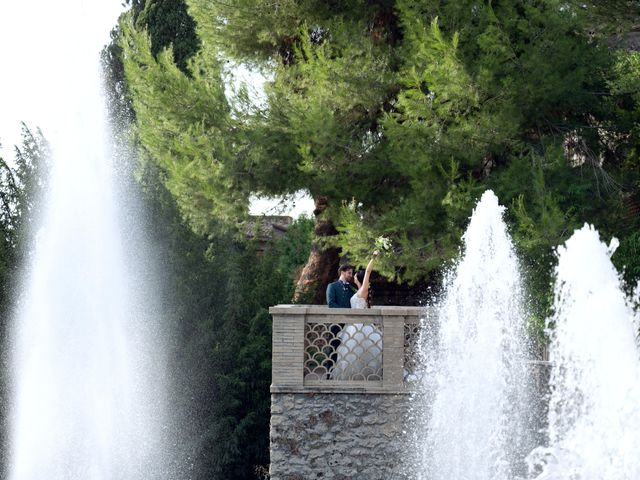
{"type": "Point", "coordinates": [594, 415]}
{"type": "Point", "coordinates": [87, 359]}
{"type": "Point", "coordinates": [475, 356]}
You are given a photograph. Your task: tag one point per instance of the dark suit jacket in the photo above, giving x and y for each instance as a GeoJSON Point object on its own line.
{"type": "Point", "coordinates": [339, 294]}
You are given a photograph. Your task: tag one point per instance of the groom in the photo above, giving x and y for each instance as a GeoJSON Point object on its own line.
{"type": "Point", "coordinates": [339, 293]}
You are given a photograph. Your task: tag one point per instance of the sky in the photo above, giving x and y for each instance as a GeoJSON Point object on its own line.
{"type": "Point", "coordinates": [39, 40]}
{"type": "Point", "coordinates": [36, 37]}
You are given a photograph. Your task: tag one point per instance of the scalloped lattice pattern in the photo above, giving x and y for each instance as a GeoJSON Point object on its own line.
{"type": "Point", "coordinates": [343, 352]}
{"type": "Point", "coordinates": [411, 351]}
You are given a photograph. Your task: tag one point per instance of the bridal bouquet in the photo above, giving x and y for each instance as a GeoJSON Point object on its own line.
{"type": "Point", "coordinates": [383, 244]}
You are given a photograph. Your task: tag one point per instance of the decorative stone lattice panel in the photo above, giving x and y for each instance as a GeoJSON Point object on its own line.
{"type": "Point", "coordinates": [360, 350]}
{"type": "Point", "coordinates": [343, 352]}
{"type": "Point", "coordinates": [411, 351]}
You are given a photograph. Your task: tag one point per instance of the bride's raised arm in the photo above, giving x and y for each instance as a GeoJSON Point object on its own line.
{"type": "Point", "coordinates": [363, 291]}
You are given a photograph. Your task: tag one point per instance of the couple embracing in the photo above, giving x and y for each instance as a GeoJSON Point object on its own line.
{"type": "Point", "coordinates": [357, 346]}
{"type": "Point", "coordinates": [343, 294]}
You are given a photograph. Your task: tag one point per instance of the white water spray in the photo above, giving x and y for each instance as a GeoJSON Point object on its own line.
{"type": "Point", "coordinates": [477, 366]}
{"type": "Point", "coordinates": [87, 356]}
{"type": "Point", "coordinates": [594, 415]}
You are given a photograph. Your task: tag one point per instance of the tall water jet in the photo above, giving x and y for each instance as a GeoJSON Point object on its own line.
{"type": "Point", "coordinates": [476, 360]}
{"type": "Point", "coordinates": [87, 363]}
{"type": "Point", "coordinates": [594, 416]}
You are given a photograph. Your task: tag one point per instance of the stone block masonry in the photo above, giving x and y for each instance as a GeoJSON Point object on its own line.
{"type": "Point", "coordinates": [338, 436]}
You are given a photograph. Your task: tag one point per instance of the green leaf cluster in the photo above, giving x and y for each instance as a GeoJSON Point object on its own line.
{"type": "Point", "coordinates": [187, 140]}
{"type": "Point", "coordinates": [168, 24]}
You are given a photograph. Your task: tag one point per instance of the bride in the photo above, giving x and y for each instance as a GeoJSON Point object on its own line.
{"type": "Point", "coordinates": [359, 355]}
{"type": "Point", "coordinates": [360, 299]}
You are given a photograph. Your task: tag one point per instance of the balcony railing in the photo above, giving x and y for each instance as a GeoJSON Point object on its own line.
{"type": "Point", "coordinates": [318, 348]}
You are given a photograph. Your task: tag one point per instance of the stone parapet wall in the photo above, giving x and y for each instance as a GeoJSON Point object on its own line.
{"type": "Point", "coordinates": [298, 340]}
{"type": "Point", "coordinates": [338, 436]}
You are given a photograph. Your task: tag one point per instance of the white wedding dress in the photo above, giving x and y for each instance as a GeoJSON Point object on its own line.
{"type": "Point", "coordinates": [357, 302]}
{"type": "Point", "coordinates": [359, 355]}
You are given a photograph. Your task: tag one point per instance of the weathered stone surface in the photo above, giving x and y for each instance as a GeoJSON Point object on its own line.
{"type": "Point", "coordinates": [336, 436]}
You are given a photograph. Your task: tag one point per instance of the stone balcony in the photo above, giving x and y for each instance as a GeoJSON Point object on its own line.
{"type": "Point", "coordinates": [341, 385]}
{"type": "Point", "coordinates": [344, 350]}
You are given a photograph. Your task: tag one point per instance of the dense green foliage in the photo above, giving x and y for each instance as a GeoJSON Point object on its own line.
{"type": "Point", "coordinates": [217, 289]}
{"type": "Point", "coordinates": [168, 24]}
{"type": "Point", "coordinates": [21, 184]}
{"type": "Point", "coordinates": [402, 113]}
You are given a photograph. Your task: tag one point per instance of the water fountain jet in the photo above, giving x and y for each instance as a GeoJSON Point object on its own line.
{"type": "Point", "coordinates": [87, 359]}
{"type": "Point", "coordinates": [476, 366]}
{"type": "Point", "coordinates": [594, 418]}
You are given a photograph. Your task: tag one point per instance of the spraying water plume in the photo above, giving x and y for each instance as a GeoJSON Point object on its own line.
{"type": "Point", "coordinates": [594, 417]}
{"type": "Point", "coordinates": [476, 366]}
{"type": "Point", "coordinates": [87, 351]}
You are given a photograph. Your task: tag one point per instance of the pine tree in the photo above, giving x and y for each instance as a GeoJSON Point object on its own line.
{"type": "Point", "coordinates": [395, 116]}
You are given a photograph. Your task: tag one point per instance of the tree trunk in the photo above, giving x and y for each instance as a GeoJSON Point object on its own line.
{"type": "Point", "coordinates": [322, 265]}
